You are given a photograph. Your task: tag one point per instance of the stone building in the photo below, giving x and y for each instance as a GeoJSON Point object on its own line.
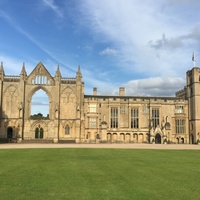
{"type": "Point", "coordinates": [76, 117]}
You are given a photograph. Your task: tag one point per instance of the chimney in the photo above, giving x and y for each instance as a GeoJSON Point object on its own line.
{"type": "Point", "coordinates": [95, 91]}
{"type": "Point", "coordinates": [121, 91]}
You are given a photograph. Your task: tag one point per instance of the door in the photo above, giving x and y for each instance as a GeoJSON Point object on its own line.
{"type": "Point", "coordinates": [158, 139]}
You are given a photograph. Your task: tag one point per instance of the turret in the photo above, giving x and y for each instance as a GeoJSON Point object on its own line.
{"type": "Point", "coordinates": [193, 90]}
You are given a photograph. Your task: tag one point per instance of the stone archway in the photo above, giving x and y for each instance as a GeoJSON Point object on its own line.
{"type": "Point", "coordinates": [158, 138]}
{"type": "Point", "coordinates": [46, 97]}
{"type": "Point", "coordinates": [9, 132]}
{"type": "Point", "coordinates": [40, 107]}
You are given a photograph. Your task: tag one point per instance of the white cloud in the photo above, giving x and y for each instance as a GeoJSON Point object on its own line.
{"type": "Point", "coordinates": [51, 4]}
{"type": "Point", "coordinates": [108, 51]}
{"type": "Point", "coordinates": [157, 86]}
{"type": "Point", "coordinates": [134, 27]}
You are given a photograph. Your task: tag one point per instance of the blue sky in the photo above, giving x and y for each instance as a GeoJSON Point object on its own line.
{"type": "Point", "coordinates": [145, 47]}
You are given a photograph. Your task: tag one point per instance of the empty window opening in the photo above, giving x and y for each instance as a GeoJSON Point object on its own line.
{"type": "Point", "coordinates": [40, 104]}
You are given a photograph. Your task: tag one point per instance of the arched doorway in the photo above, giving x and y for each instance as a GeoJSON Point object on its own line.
{"type": "Point", "coordinates": [9, 132]}
{"type": "Point", "coordinates": [158, 139]}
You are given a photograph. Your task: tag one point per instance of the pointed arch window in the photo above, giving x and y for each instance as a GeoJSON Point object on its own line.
{"type": "Point", "coordinates": [39, 133]}
{"type": "Point", "coordinates": [67, 130]}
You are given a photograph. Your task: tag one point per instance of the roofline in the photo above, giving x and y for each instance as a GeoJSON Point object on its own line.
{"type": "Point", "coordinates": [128, 97]}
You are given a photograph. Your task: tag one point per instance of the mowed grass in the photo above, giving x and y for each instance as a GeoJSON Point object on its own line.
{"type": "Point", "coordinates": [99, 174]}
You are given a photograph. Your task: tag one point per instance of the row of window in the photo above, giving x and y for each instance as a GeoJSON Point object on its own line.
{"type": "Point", "coordinates": [41, 80]}
{"type": "Point", "coordinates": [134, 117]}
{"type": "Point", "coordinates": [93, 109]}
{"type": "Point", "coordinates": [180, 123]}
{"type": "Point", "coordinates": [114, 120]}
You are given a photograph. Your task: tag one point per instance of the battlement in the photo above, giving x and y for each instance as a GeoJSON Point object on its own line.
{"type": "Point", "coordinates": [65, 80]}
{"type": "Point", "coordinates": [11, 78]}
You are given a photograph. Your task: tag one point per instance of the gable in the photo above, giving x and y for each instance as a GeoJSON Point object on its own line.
{"type": "Point", "coordinates": [40, 75]}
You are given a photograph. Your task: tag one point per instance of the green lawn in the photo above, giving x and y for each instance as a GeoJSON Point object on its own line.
{"type": "Point", "coordinates": [99, 174]}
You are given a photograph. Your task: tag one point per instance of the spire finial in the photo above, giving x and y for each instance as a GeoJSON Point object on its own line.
{"type": "Point", "coordinates": [23, 72]}
{"type": "Point", "coordinates": [79, 68]}
{"type": "Point", "coordinates": [58, 74]}
{"type": "Point", "coordinates": [78, 73]}
{"type": "Point", "coordinates": [58, 68]}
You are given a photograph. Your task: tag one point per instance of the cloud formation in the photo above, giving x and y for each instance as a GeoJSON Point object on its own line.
{"type": "Point", "coordinates": [192, 38]}
{"type": "Point", "coordinates": [135, 29]}
{"type": "Point", "coordinates": [51, 4]}
{"type": "Point", "coordinates": [157, 86]}
{"type": "Point", "coordinates": [108, 51]}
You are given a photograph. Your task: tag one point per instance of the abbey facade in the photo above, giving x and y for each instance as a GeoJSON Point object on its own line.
{"type": "Point", "coordinates": [79, 118]}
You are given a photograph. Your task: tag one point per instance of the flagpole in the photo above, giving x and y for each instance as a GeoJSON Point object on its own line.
{"type": "Point", "coordinates": [193, 59]}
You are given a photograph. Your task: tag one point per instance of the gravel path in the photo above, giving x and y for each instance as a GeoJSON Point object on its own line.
{"type": "Point", "coordinates": [108, 146]}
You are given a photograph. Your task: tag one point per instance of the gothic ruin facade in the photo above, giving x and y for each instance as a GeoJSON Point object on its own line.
{"type": "Point", "coordinates": [79, 118]}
